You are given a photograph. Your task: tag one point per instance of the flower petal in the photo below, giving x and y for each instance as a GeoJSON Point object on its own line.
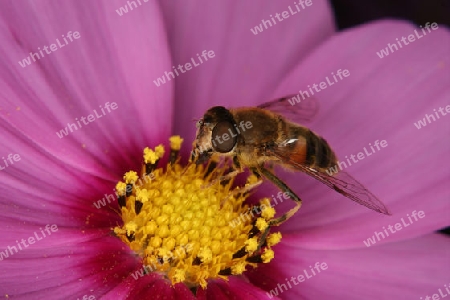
{"type": "Point", "coordinates": [67, 263]}
{"type": "Point", "coordinates": [403, 270]}
{"type": "Point", "coordinates": [236, 288]}
{"type": "Point", "coordinates": [149, 286]}
{"type": "Point", "coordinates": [246, 67]}
{"type": "Point", "coordinates": [380, 100]}
{"type": "Point", "coordinates": [111, 62]}
{"type": "Point", "coordinates": [37, 188]}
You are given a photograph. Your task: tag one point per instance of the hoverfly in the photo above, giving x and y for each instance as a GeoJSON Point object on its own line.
{"type": "Point", "coordinates": [257, 136]}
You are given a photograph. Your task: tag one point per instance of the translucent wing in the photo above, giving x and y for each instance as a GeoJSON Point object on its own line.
{"type": "Point", "coordinates": [294, 108]}
{"type": "Point", "coordinates": [341, 182]}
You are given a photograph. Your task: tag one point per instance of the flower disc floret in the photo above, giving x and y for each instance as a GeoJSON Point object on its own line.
{"type": "Point", "coordinates": [187, 224]}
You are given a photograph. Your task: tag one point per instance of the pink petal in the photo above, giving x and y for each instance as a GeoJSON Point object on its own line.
{"type": "Point", "coordinates": [235, 288]}
{"type": "Point", "coordinates": [77, 265]}
{"type": "Point", "coordinates": [112, 61]}
{"type": "Point", "coordinates": [38, 188]}
{"type": "Point", "coordinates": [380, 100]}
{"type": "Point", "coordinates": [402, 270]}
{"type": "Point", "coordinates": [149, 287]}
{"type": "Point", "coordinates": [66, 264]}
{"type": "Point", "coordinates": [246, 67]}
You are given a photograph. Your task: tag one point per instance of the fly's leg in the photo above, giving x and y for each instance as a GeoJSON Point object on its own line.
{"type": "Point", "coordinates": [283, 187]}
{"type": "Point", "coordinates": [224, 179]}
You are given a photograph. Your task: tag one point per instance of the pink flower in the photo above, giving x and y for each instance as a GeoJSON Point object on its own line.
{"type": "Point", "coordinates": [116, 60]}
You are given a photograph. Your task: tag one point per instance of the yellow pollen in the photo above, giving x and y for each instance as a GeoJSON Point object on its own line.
{"type": "Point", "coordinates": [130, 177]}
{"type": "Point", "coordinates": [150, 156]}
{"type": "Point", "coordinates": [238, 268]}
{"type": "Point", "coordinates": [121, 187]}
{"type": "Point", "coordinates": [175, 142]}
{"type": "Point", "coordinates": [177, 275]}
{"type": "Point", "coordinates": [142, 195]}
{"type": "Point", "coordinates": [251, 244]}
{"type": "Point", "coordinates": [205, 255]}
{"type": "Point", "coordinates": [273, 239]}
{"type": "Point", "coordinates": [267, 256]}
{"type": "Point", "coordinates": [267, 212]}
{"type": "Point", "coordinates": [130, 227]}
{"type": "Point", "coordinates": [252, 179]}
{"type": "Point", "coordinates": [188, 225]}
{"type": "Point", "coordinates": [159, 150]}
{"type": "Point", "coordinates": [261, 224]}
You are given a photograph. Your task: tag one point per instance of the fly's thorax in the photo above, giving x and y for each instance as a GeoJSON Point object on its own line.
{"type": "Point", "coordinates": [256, 126]}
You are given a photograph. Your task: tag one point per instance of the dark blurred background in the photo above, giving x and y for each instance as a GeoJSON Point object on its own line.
{"type": "Point", "coordinates": [349, 13]}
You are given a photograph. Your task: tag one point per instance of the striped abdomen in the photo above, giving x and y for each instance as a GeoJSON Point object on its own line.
{"type": "Point", "coordinates": [311, 150]}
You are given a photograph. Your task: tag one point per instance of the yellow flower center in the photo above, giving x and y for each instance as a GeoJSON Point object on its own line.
{"type": "Point", "coordinates": [189, 224]}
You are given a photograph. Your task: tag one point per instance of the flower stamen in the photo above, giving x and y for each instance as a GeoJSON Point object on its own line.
{"type": "Point", "coordinates": [187, 224]}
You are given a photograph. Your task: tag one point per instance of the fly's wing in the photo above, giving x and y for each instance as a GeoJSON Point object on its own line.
{"type": "Point", "coordinates": [294, 108]}
{"type": "Point", "coordinates": [341, 182]}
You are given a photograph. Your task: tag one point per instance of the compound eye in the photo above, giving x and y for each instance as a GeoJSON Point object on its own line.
{"type": "Point", "coordinates": [224, 137]}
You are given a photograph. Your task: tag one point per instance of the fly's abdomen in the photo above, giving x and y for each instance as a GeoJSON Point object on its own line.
{"type": "Point", "coordinates": [319, 154]}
